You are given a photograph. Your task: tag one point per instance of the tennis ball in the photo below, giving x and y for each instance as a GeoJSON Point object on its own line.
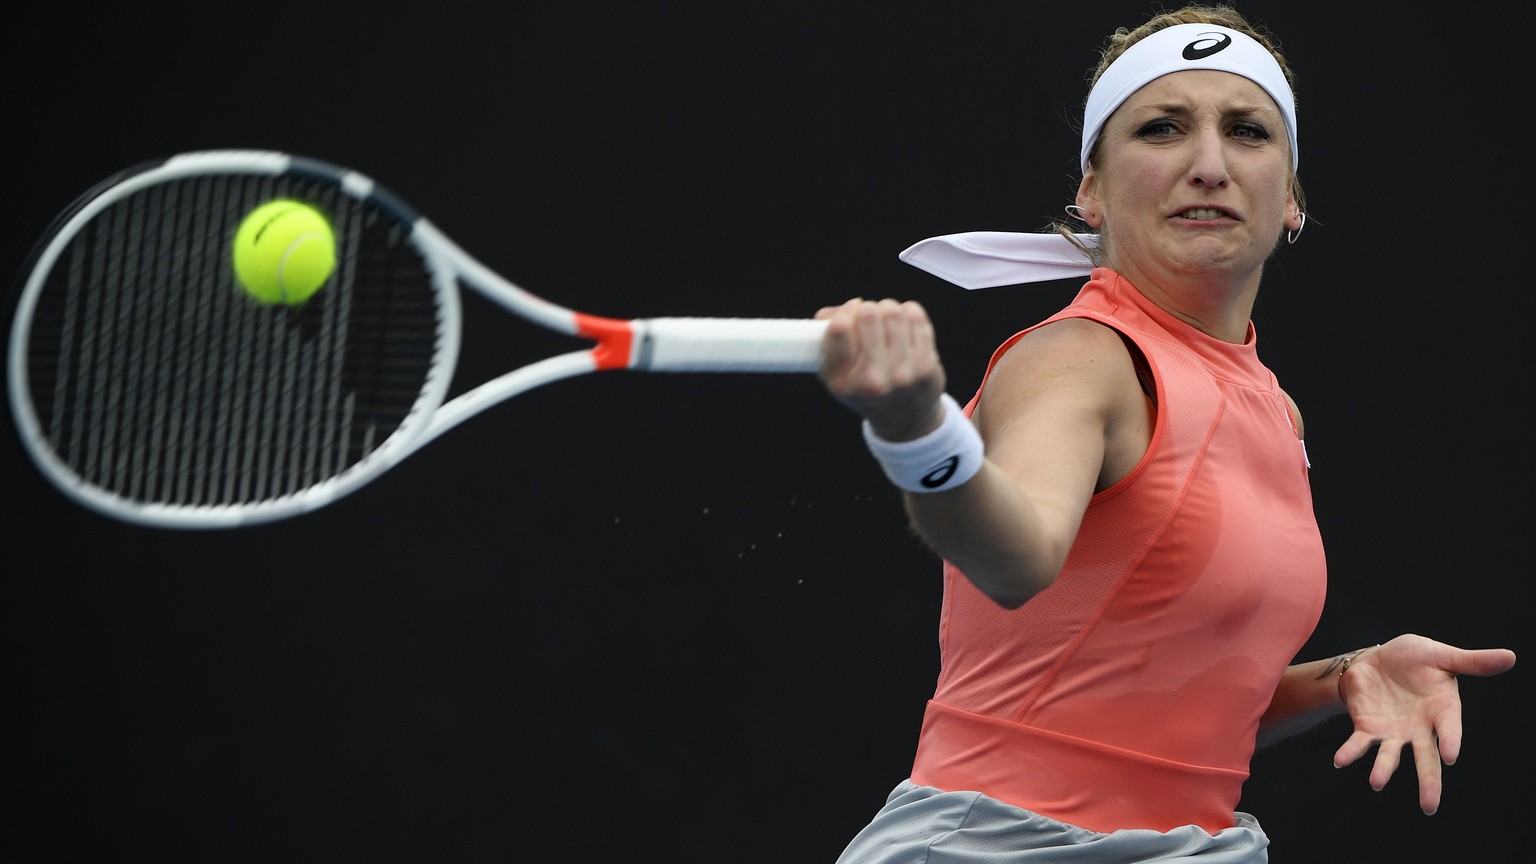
{"type": "Point", "coordinates": [284, 252]}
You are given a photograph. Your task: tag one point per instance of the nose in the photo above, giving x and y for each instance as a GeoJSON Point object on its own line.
{"type": "Point", "coordinates": [1208, 164]}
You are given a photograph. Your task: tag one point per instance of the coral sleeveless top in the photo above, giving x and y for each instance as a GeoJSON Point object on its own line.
{"type": "Point", "coordinates": [1128, 693]}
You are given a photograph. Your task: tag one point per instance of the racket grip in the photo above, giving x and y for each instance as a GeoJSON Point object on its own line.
{"type": "Point", "coordinates": [727, 344]}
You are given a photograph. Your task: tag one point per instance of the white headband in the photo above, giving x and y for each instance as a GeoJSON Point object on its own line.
{"type": "Point", "coordinates": [1180, 47]}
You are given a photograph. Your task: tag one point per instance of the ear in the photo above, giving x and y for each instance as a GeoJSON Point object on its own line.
{"type": "Point", "coordinates": [1293, 215]}
{"type": "Point", "coordinates": [1088, 199]}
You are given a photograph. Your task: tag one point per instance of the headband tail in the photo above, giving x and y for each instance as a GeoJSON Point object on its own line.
{"type": "Point", "coordinates": [988, 259]}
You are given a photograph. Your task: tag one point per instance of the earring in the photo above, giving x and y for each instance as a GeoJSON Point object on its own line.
{"type": "Point", "coordinates": [1077, 213]}
{"type": "Point", "coordinates": [1291, 236]}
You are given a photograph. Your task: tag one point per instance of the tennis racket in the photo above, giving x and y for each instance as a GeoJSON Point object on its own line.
{"type": "Point", "coordinates": [148, 386]}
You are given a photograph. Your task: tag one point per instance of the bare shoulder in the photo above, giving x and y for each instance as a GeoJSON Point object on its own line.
{"type": "Point", "coordinates": [1069, 388]}
{"type": "Point", "coordinates": [1074, 364]}
{"type": "Point", "coordinates": [1072, 351]}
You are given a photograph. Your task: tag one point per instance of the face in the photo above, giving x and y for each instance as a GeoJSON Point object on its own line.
{"type": "Point", "coordinates": [1191, 179]}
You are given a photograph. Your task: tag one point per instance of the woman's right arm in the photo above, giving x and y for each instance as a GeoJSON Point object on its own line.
{"type": "Point", "coordinates": [1047, 411]}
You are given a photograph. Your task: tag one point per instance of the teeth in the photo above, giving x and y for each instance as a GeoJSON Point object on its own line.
{"type": "Point", "coordinates": [1202, 213]}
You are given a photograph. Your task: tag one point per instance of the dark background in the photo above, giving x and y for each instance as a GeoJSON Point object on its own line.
{"type": "Point", "coordinates": [680, 618]}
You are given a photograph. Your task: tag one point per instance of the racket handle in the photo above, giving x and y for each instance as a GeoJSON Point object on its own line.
{"type": "Point", "coordinates": [727, 344]}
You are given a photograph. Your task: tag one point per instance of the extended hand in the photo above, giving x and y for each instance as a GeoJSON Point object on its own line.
{"type": "Point", "coordinates": [1404, 693]}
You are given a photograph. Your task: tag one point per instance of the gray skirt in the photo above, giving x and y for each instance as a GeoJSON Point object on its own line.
{"type": "Point", "coordinates": [924, 825]}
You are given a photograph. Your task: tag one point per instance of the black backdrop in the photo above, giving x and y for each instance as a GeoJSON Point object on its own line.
{"type": "Point", "coordinates": [680, 618]}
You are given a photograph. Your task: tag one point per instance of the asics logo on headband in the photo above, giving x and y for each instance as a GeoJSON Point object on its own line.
{"type": "Point", "coordinates": [1193, 51]}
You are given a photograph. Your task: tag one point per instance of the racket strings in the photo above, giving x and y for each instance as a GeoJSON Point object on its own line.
{"type": "Point", "coordinates": [155, 379]}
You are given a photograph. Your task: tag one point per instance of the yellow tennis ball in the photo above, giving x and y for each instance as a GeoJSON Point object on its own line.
{"type": "Point", "coordinates": [284, 252]}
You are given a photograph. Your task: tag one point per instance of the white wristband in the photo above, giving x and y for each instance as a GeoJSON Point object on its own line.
{"type": "Point", "coordinates": [943, 459]}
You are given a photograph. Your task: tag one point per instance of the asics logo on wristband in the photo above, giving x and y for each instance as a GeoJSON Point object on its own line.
{"type": "Point", "coordinates": [941, 475]}
{"type": "Point", "coordinates": [943, 459]}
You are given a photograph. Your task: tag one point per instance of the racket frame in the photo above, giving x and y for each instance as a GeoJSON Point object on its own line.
{"type": "Point", "coordinates": [657, 344]}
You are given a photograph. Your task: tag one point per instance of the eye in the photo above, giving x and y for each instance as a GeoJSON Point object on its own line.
{"type": "Point", "coordinates": [1160, 128]}
{"type": "Point", "coordinates": [1250, 130]}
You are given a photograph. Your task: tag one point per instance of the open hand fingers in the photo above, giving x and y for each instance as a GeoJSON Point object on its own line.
{"type": "Point", "coordinates": [1426, 757]}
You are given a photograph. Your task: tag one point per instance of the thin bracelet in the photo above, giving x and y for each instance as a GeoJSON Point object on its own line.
{"type": "Point", "coordinates": [943, 459]}
{"type": "Point", "coordinates": [1344, 667]}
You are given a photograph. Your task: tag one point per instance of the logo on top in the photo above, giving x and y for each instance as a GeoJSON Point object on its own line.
{"type": "Point", "coordinates": [1206, 45]}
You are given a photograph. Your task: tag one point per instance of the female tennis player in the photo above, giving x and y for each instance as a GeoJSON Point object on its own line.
{"type": "Point", "coordinates": [1123, 507]}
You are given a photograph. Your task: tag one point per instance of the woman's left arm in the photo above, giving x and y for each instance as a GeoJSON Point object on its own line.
{"type": "Point", "coordinates": [1400, 693]}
